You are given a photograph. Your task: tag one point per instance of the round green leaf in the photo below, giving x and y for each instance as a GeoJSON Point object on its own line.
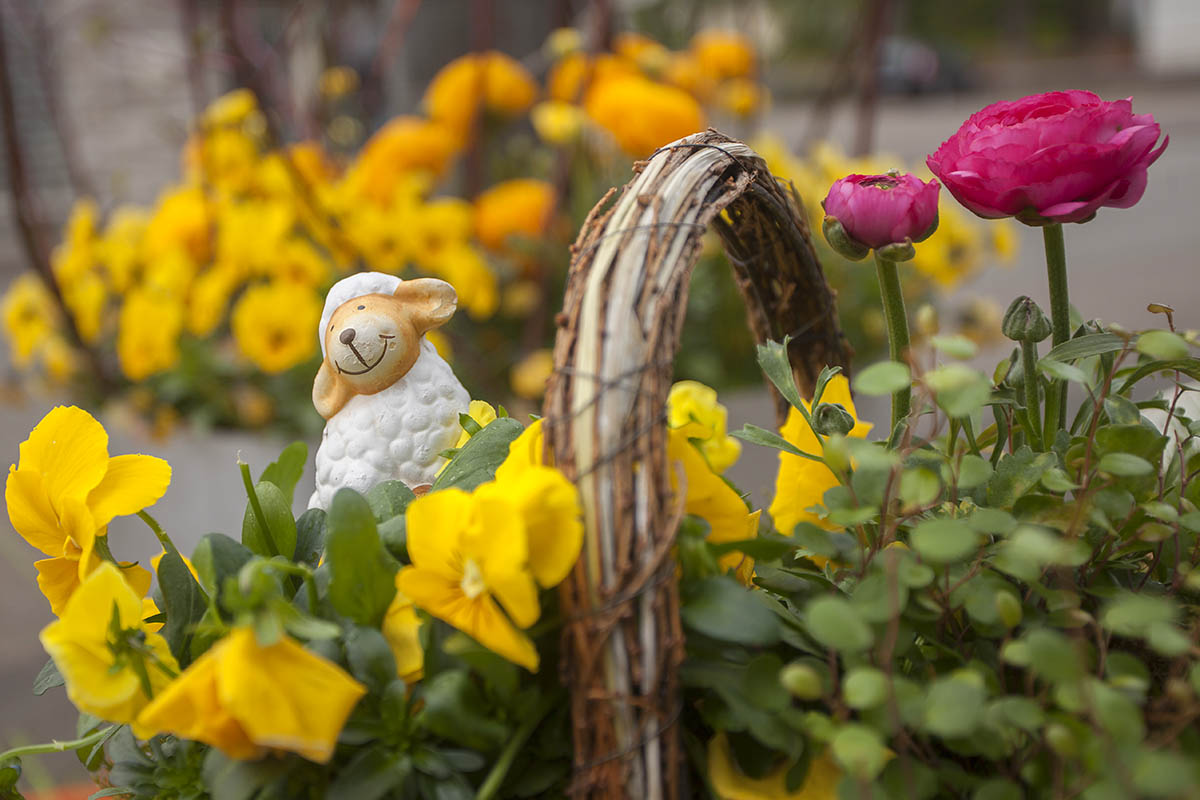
{"type": "Point", "coordinates": [954, 706]}
{"type": "Point", "coordinates": [1162, 345]}
{"type": "Point", "coordinates": [960, 390]}
{"type": "Point", "coordinates": [886, 377]}
{"type": "Point", "coordinates": [865, 687]}
{"type": "Point", "coordinates": [860, 751]}
{"type": "Point", "coordinates": [1125, 465]}
{"type": "Point", "coordinates": [944, 541]}
{"type": "Point", "coordinates": [833, 622]}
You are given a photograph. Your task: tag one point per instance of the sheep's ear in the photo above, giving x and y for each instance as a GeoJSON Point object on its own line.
{"type": "Point", "coordinates": [330, 392]}
{"type": "Point", "coordinates": [431, 301]}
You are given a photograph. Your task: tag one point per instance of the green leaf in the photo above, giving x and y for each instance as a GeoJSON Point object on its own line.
{"type": "Point", "coordinates": [959, 389]}
{"type": "Point", "coordinates": [1162, 345]}
{"type": "Point", "coordinates": [954, 706]}
{"type": "Point", "coordinates": [287, 470]}
{"type": "Point", "coordinates": [1124, 465]}
{"type": "Point", "coordinates": [230, 779]}
{"type": "Point", "coordinates": [1132, 614]}
{"type": "Point", "coordinates": [455, 709]}
{"type": "Point", "coordinates": [1161, 773]}
{"type": "Point", "coordinates": [1016, 474]}
{"type": "Point", "coordinates": [216, 558]}
{"type": "Point", "coordinates": [389, 499]}
{"type": "Point", "coordinates": [373, 772]}
{"type": "Point", "coordinates": [310, 537]}
{"type": "Point", "coordinates": [370, 658]}
{"type": "Point", "coordinates": [860, 751]}
{"type": "Point", "coordinates": [477, 460]}
{"type": "Point", "coordinates": [865, 687]}
{"type": "Point", "coordinates": [773, 359]}
{"type": "Point", "coordinates": [183, 603]}
{"type": "Point", "coordinates": [944, 541]}
{"type": "Point", "coordinates": [1056, 480]}
{"type": "Point", "coordinates": [883, 378]}
{"type": "Point", "coordinates": [835, 623]}
{"type": "Point", "coordinates": [1093, 344]}
{"type": "Point", "coordinates": [762, 683]}
{"type": "Point", "coordinates": [721, 608]}
{"type": "Point", "coordinates": [1053, 656]}
{"type": "Point", "coordinates": [277, 511]}
{"type": "Point", "coordinates": [762, 436]}
{"type": "Point", "coordinates": [47, 678]}
{"type": "Point", "coordinates": [765, 547]}
{"type": "Point", "coordinates": [879, 598]}
{"type": "Point", "coordinates": [1063, 372]}
{"type": "Point", "coordinates": [1188, 366]}
{"type": "Point", "coordinates": [973, 471]}
{"type": "Point", "coordinates": [955, 345]}
{"type": "Point", "coordinates": [362, 573]}
{"type": "Point", "coordinates": [919, 487]}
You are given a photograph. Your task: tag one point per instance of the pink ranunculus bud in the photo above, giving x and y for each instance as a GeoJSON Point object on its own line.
{"type": "Point", "coordinates": [875, 211]}
{"type": "Point", "coordinates": [1053, 157]}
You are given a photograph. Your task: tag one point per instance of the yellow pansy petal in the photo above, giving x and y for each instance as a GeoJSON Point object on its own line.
{"type": "Point", "coordinates": [480, 618]}
{"type": "Point", "coordinates": [70, 448]}
{"type": "Point", "coordinates": [523, 453]}
{"type": "Point", "coordinates": [730, 783]}
{"type": "Point", "coordinates": [435, 523]}
{"type": "Point", "coordinates": [132, 482]}
{"type": "Point", "coordinates": [401, 627]}
{"type": "Point", "coordinates": [138, 578]}
{"type": "Point", "coordinates": [58, 578]}
{"type": "Point", "coordinates": [496, 542]}
{"type": "Point", "coordinates": [30, 511]}
{"type": "Point", "coordinates": [285, 696]}
{"type": "Point", "coordinates": [549, 504]}
{"type": "Point", "coordinates": [190, 708]}
{"type": "Point", "coordinates": [150, 609]}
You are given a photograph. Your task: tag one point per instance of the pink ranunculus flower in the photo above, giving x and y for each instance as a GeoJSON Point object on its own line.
{"type": "Point", "coordinates": [878, 210]}
{"type": "Point", "coordinates": [1053, 157]}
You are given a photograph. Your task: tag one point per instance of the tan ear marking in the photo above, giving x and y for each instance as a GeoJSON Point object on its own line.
{"type": "Point", "coordinates": [330, 392]}
{"type": "Point", "coordinates": [433, 302]}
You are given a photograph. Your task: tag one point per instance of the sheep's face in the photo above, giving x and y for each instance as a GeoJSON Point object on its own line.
{"type": "Point", "coordinates": [372, 341]}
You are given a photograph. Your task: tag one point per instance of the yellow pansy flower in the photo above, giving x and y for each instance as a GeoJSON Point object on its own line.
{"type": "Point", "coordinates": [112, 664]}
{"type": "Point", "coordinates": [528, 376]}
{"type": "Point", "coordinates": [273, 324]}
{"type": "Point", "coordinates": [723, 54]}
{"type": "Point", "coordinates": [693, 402]}
{"type": "Point", "coordinates": [148, 334]}
{"type": "Point", "coordinates": [29, 317]}
{"type": "Point", "coordinates": [245, 699]}
{"type": "Point", "coordinates": [801, 483]}
{"type": "Point", "coordinates": [465, 268]}
{"type": "Point", "coordinates": [483, 413]}
{"type": "Point", "coordinates": [556, 122]}
{"type": "Point", "coordinates": [491, 79]}
{"type": "Point", "coordinates": [403, 145]}
{"type": "Point", "coordinates": [402, 627]}
{"type": "Point", "coordinates": [208, 299]}
{"type": "Point", "coordinates": [641, 114]}
{"type": "Point", "coordinates": [64, 491]}
{"type": "Point", "coordinates": [520, 207]}
{"type": "Point", "coordinates": [730, 783]}
{"type": "Point", "coordinates": [473, 554]}
{"type": "Point", "coordinates": [524, 453]}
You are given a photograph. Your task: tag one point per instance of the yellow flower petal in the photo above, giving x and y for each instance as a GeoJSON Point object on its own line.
{"type": "Point", "coordinates": [549, 504]}
{"type": "Point", "coordinates": [70, 448]}
{"type": "Point", "coordinates": [435, 523]}
{"type": "Point", "coordinates": [58, 578]}
{"type": "Point", "coordinates": [523, 453]}
{"type": "Point", "coordinates": [191, 709]}
{"type": "Point", "coordinates": [132, 482]}
{"type": "Point", "coordinates": [480, 618]}
{"type": "Point", "coordinates": [496, 542]}
{"type": "Point", "coordinates": [401, 627]}
{"type": "Point", "coordinates": [285, 696]}
{"type": "Point", "coordinates": [30, 511]}
{"type": "Point", "coordinates": [801, 483]}
{"type": "Point", "coordinates": [730, 783]}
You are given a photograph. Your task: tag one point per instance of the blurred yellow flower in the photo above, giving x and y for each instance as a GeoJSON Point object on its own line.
{"type": "Point", "coordinates": [529, 375]}
{"type": "Point", "coordinates": [556, 122]}
{"type": "Point", "coordinates": [402, 627]}
{"type": "Point", "coordinates": [298, 261]}
{"type": "Point", "coordinates": [336, 82]}
{"type": "Point", "coordinates": [441, 344]}
{"type": "Point", "coordinates": [490, 81]}
{"type": "Point", "coordinates": [564, 41]}
{"type": "Point", "coordinates": [403, 145]}
{"type": "Point", "coordinates": [742, 97]}
{"type": "Point", "coordinates": [65, 489]}
{"type": "Point", "coordinates": [730, 783]}
{"type": "Point", "coordinates": [693, 402]}
{"type": "Point", "coordinates": [1004, 238]}
{"type": "Point", "coordinates": [120, 248]}
{"type": "Point", "coordinates": [209, 299]}
{"type": "Point", "coordinates": [29, 317]}
{"type": "Point", "coordinates": [230, 109]}
{"type": "Point", "coordinates": [148, 331]}
{"type": "Point", "coordinates": [255, 408]}
{"type": "Point", "coordinates": [466, 269]}
{"type": "Point", "coordinates": [59, 359]}
{"type": "Point", "coordinates": [245, 698]}
{"type": "Point", "coordinates": [274, 324]}
{"type": "Point", "coordinates": [519, 207]}
{"type": "Point", "coordinates": [112, 664]}
{"type": "Point", "coordinates": [571, 76]}
{"type": "Point", "coordinates": [801, 483]}
{"type": "Point", "coordinates": [724, 54]}
{"type": "Point", "coordinates": [483, 413]}
{"type": "Point", "coordinates": [473, 554]}
{"type": "Point", "coordinates": [183, 221]}
{"type": "Point", "coordinates": [642, 115]}
{"type": "Point", "coordinates": [684, 71]}
{"type": "Point", "coordinates": [438, 226]}
{"type": "Point", "coordinates": [641, 50]}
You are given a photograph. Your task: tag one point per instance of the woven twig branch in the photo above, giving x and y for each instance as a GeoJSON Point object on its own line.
{"type": "Point", "coordinates": [605, 427]}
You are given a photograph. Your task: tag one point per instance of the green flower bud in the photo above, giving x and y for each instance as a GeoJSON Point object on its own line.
{"type": "Point", "coordinates": [802, 681]}
{"type": "Point", "coordinates": [831, 418]}
{"type": "Point", "coordinates": [841, 242]}
{"type": "Point", "coordinates": [1025, 322]}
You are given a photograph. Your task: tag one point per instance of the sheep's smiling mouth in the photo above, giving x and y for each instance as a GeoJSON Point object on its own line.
{"type": "Point", "coordinates": [366, 367]}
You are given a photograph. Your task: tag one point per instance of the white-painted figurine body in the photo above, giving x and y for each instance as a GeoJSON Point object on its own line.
{"type": "Point", "coordinates": [390, 402]}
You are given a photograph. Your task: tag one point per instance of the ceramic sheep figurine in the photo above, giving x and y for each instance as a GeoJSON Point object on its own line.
{"type": "Point", "coordinates": [390, 402]}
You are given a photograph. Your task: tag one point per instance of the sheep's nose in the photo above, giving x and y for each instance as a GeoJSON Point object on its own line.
{"type": "Point", "coordinates": [347, 336]}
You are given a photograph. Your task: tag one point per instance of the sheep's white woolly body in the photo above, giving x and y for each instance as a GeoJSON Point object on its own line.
{"type": "Point", "coordinates": [395, 434]}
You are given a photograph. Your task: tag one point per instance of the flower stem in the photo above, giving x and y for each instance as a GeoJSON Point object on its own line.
{"type": "Point", "coordinates": [159, 533]}
{"type": "Point", "coordinates": [55, 746]}
{"type": "Point", "coordinates": [495, 778]}
{"type": "Point", "coordinates": [897, 327]}
{"type": "Point", "coordinates": [1060, 321]}
{"type": "Point", "coordinates": [1029, 360]}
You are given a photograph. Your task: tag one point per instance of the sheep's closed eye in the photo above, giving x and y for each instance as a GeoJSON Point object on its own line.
{"type": "Point", "coordinates": [360, 308]}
